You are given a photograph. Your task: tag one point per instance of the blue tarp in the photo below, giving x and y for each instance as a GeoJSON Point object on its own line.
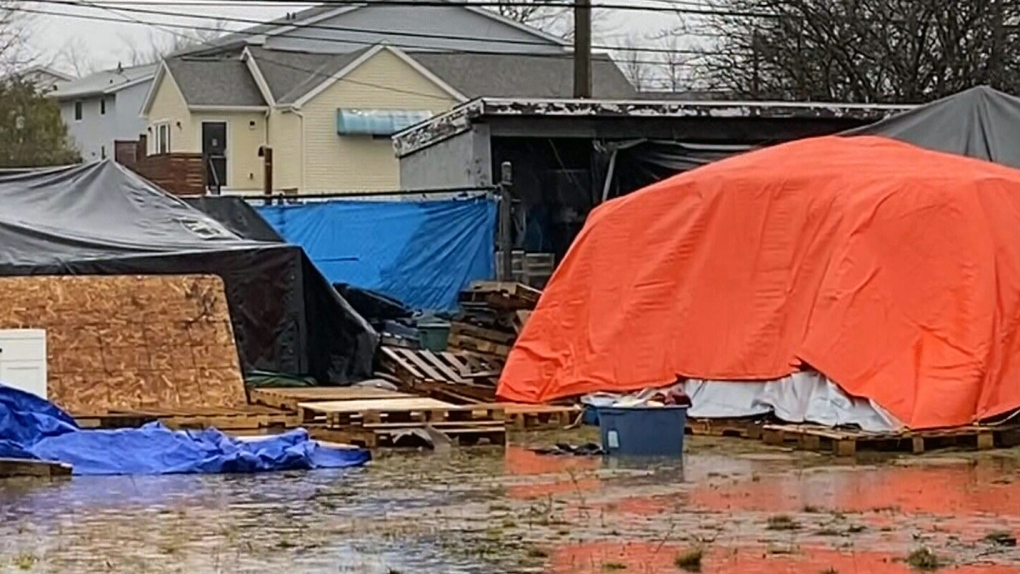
{"type": "Point", "coordinates": [33, 428]}
{"type": "Point", "coordinates": [422, 253]}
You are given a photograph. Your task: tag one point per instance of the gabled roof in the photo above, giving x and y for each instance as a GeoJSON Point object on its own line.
{"type": "Point", "coordinates": [291, 75]}
{"type": "Point", "coordinates": [523, 75]}
{"type": "Point", "coordinates": [255, 35]}
{"type": "Point", "coordinates": [214, 81]}
{"type": "Point", "coordinates": [105, 82]}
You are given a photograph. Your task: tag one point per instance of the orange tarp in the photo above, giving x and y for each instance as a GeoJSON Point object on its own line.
{"type": "Point", "coordinates": [893, 270]}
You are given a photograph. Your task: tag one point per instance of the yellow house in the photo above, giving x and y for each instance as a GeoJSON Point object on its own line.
{"type": "Point", "coordinates": [328, 118]}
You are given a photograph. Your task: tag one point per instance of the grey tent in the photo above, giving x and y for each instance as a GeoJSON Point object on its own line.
{"type": "Point", "coordinates": [980, 122]}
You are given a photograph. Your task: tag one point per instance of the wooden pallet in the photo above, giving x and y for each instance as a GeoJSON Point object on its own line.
{"type": "Point", "coordinates": [750, 428]}
{"type": "Point", "coordinates": [495, 336]}
{"type": "Point", "coordinates": [457, 393]}
{"type": "Point", "coordinates": [252, 417]}
{"type": "Point", "coordinates": [16, 467]}
{"type": "Point", "coordinates": [539, 417]}
{"type": "Point", "coordinates": [457, 341]}
{"type": "Point", "coordinates": [849, 442]}
{"type": "Point", "coordinates": [388, 437]}
{"type": "Point", "coordinates": [289, 398]}
{"type": "Point", "coordinates": [412, 366]}
{"type": "Point", "coordinates": [342, 414]}
{"type": "Point", "coordinates": [505, 296]}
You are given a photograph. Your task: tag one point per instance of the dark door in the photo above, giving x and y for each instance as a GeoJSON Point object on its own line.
{"type": "Point", "coordinates": [214, 150]}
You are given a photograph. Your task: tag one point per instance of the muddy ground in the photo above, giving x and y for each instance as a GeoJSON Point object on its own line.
{"type": "Point", "coordinates": [733, 506]}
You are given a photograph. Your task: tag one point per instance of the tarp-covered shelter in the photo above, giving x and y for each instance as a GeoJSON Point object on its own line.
{"type": "Point", "coordinates": [419, 252]}
{"type": "Point", "coordinates": [892, 270]}
{"type": "Point", "coordinates": [981, 122]}
{"type": "Point", "coordinates": [100, 219]}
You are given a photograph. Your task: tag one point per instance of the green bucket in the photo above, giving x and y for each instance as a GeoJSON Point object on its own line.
{"type": "Point", "coordinates": [433, 336]}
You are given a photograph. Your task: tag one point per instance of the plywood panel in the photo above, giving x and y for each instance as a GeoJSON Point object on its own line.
{"type": "Point", "coordinates": [128, 342]}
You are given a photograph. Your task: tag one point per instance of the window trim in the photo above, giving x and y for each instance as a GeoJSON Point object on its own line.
{"type": "Point", "coordinates": [157, 146]}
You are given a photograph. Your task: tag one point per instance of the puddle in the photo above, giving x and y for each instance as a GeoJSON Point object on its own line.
{"type": "Point", "coordinates": [489, 510]}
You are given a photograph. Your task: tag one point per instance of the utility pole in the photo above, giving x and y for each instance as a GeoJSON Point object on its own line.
{"type": "Point", "coordinates": [504, 270]}
{"type": "Point", "coordinates": [582, 49]}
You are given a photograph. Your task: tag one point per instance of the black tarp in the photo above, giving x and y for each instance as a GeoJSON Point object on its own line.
{"type": "Point", "coordinates": [237, 215]}
{"type": "Point", "coordinates": [980, 122]}
{"type": "Point", "coordinates": [100, 219]}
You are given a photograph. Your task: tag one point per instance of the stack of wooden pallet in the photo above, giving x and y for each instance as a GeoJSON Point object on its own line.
{"type": "Point", "coordinates": [492, 315]}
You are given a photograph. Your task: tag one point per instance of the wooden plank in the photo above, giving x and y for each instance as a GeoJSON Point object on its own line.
{"type": "Point", "coordinates": [479, 345]}
{"type": "Point", "coordinates": [847, 442]}
{"type": "Point", "coordinates": [380, 405]}
{"type": "Point", "coordinates": [399, 357]}
{"type": "Point", "coordinates": [288, 398]}
{"type": "Point", "coordinates": [448, 371]}
{"type": "Point", "coordinates": [426, 370]}
{"type": "Point", "coordinates": [476, 332]}
{"type": "Point", "coordinates": [12, 467]}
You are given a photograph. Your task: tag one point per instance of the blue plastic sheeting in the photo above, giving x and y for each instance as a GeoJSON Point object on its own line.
{"type": "Point", "coordinates": [33, 428]}
{"type": "Point", "coordinates": [422, 253]}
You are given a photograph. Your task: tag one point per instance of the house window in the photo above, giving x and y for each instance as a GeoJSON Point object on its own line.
{"type": "Point", "coordinates": [102, 152]}
{"type": "Point", "coordinates": [162, 138]}
{"type": "Point", "coordinates": [77, 111]}
{"type": "Point", "coordinates": [102, 107]}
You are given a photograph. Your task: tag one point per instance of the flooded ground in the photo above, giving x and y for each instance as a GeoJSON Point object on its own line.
{"type": "Point", "coordinates": [734, 506]}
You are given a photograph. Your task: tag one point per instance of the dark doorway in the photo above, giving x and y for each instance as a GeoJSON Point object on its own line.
{"type": "Point", "coordinates": [214, 151]}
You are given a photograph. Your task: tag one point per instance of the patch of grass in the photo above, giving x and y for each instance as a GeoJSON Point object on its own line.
{"type": "Point", "coordinates": [690, 560]}
{"type": "Point", "coordinates": [613, 566]}
{"type": "Point", "coordinates": [924, 560]}
{"type": "Point", "coordinates": [537, 553]}
{"type": "Point", "coordinates": [1001, 538]}
{"type": "Point", "coordinates": [828, 531]}
{"type": "Point", "coordinates": [782, 522]}
{"type": "Point", "coordinates": [856, 528]}
{"type": "Point", "coordinates": [283, 543]}
{"type": "Point", "coordinates": [497, 507]}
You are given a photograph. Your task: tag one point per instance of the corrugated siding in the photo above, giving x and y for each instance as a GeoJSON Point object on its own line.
{"type": "Point", "coordinates": [169, 106]}
{"type": "Point", "coordinates": [335, 163]}
{"type": "Point", "coordinates": [285, 139]}
{"type": "Point", "coordinates": [244, 166]}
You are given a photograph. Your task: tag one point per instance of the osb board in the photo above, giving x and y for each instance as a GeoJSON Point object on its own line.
{"type": "Point", "coordinates": [128, 342]}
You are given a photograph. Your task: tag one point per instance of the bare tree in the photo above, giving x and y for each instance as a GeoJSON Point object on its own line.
{"type": "Point", "coordinates": [74, 57]}
{"type": "Point", "coordinates": [15, 53]}
{"type": "Point", "coordinates": [674, 68]}
{"type": "Point", "coordinates": [161, 44]}
{"type": "Point", "coordinates": [635, 63]}
{"type": "Point", "coordinates": [861, 50]}
{"type": "Point", "coordinates": [548, 17]}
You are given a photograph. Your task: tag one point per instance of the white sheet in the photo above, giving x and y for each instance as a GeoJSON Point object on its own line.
{"type": "Point", "coordinates": [801, 397]}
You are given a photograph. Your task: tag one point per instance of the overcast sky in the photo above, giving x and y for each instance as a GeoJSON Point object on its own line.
{"type": "Point", "coordinates": [63, 29]}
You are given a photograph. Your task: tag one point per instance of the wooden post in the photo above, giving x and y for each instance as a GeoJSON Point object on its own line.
{"type": "Point", "coordinates": [504, 270]}
{"type": "Point", "coordinates": [267, 176]}
{"type": "Point", "coordinates": [582, 48]}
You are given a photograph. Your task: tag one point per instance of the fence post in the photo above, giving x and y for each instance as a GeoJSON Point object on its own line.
{"type": "Point", "coordinates": [505, 265]}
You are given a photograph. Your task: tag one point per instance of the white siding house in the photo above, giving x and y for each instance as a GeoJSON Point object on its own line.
{"type": "Point", "coordinates": [105, 107]}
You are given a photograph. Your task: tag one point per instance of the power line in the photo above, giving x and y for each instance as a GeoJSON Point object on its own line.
{"type": "Point", "coordinates": [669, 6]}
{"type": "Point", "coordinates": [305, 26]}
{"type": "Point", "coordinates": [123, 18]}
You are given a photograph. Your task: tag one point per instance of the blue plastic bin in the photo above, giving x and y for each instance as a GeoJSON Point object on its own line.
{"type": "Point", "coordinates": [643, 431]}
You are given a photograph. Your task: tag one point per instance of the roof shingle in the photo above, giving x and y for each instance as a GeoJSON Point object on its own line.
{"type": "Point", "coordinates": [216, 81]}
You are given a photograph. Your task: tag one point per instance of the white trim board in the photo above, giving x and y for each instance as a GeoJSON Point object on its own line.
{"type": "Point", "coordinates": [311, 94]}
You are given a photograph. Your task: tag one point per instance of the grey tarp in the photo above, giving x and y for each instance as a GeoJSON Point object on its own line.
{"type": "Point", "coordinates": [980, 122]}
{"type": "Point", "coordinates": [100, 219]}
